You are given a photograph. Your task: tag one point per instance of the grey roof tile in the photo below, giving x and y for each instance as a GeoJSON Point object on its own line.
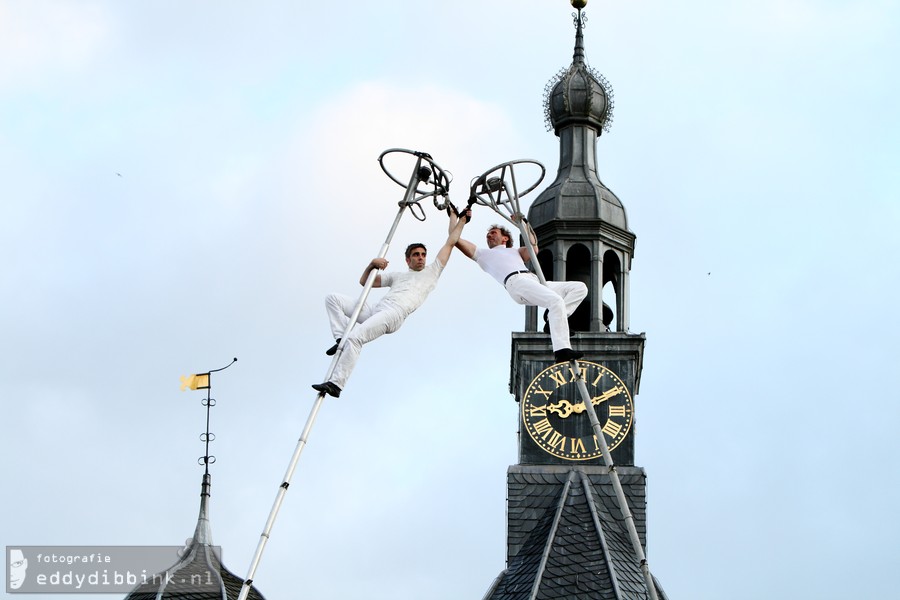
{"type": "Point", "coordinates": [567, 538]}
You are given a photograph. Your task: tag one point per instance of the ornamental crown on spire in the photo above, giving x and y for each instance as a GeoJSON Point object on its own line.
{"type": "Point", "coordinates": [578, 94]}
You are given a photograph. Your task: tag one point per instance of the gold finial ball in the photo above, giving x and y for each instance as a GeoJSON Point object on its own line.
{"type": "Point", "coordinates": [579, 4]}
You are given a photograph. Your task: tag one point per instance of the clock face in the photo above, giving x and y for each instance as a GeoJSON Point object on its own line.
{"type": "Point", "coordinates": [554, 414]}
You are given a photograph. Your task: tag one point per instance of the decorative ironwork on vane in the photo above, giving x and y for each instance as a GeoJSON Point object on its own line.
{"type": "Point", "coordinates": [203, 381]}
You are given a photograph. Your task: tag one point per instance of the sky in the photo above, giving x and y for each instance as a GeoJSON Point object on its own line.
{"type": "Point", "coordinates": [182, 183]}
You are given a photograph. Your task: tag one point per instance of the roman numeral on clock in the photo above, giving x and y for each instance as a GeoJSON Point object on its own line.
{"type": "Point", "coordinates": [612, 429]}
{"type": "Point", "coordinates": [617, 411]}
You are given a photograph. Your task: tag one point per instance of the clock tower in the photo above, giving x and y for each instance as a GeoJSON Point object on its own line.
{"type": "Point", "coordinates": [568, 535]}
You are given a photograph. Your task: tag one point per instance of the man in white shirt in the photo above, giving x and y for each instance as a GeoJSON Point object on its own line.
{"type": "Point", "coordinates": [507, 265]}
{"type": "Point", "coordinates": [408, 291]}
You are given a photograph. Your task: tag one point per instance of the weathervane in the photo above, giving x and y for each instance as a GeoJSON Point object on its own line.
{"type": "Point", "coordinates": [203, 381]}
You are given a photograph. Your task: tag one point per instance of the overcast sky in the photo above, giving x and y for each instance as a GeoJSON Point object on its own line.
{"type": "Point", "coordinates": [182, 183]}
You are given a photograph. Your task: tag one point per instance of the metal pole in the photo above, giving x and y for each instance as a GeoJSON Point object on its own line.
{"type": "Point", "coordinates": [313, 413]}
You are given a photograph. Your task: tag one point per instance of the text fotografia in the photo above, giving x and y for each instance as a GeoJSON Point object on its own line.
{"type": "Point", "coordinates": [111, 569]}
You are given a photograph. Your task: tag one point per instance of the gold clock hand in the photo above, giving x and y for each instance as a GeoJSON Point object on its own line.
{"type": "Point", "coordinates": [606, 395]}
{"type": "Point", "coordinates": [563, 408]}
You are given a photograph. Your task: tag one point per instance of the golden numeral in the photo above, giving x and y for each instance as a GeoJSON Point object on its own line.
{"type": "Point", "coordinates": [541, 391]}
{"type": "Point", "coordinates": [557, 441]}
{"type": "Point", "coordinates": [616, 411]}
{"type": "Point", "coordinates": [559, 378]}
{"type": "Point", "coordinates": [612, 429]}
{"type": "Point", "coordinates": [540, 411]}
{"type": "Point", "coordinates": [543, 427]}
{"type": "Point", "coordinates": [578, 446]}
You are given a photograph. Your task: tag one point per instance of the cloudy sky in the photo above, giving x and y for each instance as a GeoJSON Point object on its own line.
{"type": "Point", "coordinates": [182, 182]}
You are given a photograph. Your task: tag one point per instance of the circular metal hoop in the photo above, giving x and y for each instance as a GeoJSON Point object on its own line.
{"type": "Point", "coordinates": [499, 187]}
{"type": "Point", "coordinates": [436, 181]}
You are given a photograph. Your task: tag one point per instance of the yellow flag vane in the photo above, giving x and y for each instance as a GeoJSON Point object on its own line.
{"type": "Point", "coordinates": [200, 381]}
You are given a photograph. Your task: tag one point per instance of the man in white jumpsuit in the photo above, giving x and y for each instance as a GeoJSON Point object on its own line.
{"type": "Point", "coordinates": [408, 291]}
{"type": "Point", "coordinates": [507, 265]}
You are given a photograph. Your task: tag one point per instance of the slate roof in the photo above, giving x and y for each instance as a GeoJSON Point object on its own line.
{"type": "Point", "coordinates": [567, 538]}
{"type": "Point", "coordinates": [200, 574]}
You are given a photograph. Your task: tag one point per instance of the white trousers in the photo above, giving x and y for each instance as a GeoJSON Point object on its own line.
{"type": "Point", "coordinates": [560, 298]}
{"type": "Point", "coordinates": [371, 325]}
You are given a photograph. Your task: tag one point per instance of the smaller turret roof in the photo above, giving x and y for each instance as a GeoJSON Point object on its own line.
{"type": "Point", "coordinates": [200, 574]}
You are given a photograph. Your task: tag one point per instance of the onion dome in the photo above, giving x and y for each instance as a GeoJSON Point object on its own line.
{"type": "Point", "coordinates": [578, 95]}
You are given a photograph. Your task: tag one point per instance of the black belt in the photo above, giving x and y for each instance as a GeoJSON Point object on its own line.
{"type": "Point", "coordinates": [513, 273]}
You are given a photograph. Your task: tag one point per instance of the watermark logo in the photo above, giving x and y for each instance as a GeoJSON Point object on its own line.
{"type": "Point", "coordinates": [18, 568]}
{"type": "Point", "coordinates": [110, 569]}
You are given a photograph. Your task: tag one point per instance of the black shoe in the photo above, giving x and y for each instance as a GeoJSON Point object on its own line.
{"type": "Point", "coordinates": [327, 388]}
{"type": "Point", "coordinates": [333, 349]}
{"type": "Point", "coordinates": [546, 320]}
{"type": "Point", "coordinates": [565, 355]}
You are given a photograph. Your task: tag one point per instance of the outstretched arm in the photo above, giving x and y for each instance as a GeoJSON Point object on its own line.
{"type": "Point", "coordinates": [375, 263]}
{"type": "Point", "coordinates": [465, 246]}
{"type": "Point", "coordinates": [456, 227]}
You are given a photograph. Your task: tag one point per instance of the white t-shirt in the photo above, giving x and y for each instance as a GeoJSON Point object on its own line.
{"type": "Point", "coordinates": [409, 288]}
{"type": "Point", "coordinates": [499, 261]}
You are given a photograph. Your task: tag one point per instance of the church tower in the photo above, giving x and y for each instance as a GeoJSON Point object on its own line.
{"type": "Point", "coordinates": [567, 533]}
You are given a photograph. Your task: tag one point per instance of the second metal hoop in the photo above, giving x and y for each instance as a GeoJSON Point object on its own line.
{"type": "Point", "coordinates": [439, 183]}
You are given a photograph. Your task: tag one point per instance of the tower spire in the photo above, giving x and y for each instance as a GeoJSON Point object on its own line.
{"type": "Point", "coordinates": [579, 19]}
{"type": "Point", "coordinates": [199, 573]}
